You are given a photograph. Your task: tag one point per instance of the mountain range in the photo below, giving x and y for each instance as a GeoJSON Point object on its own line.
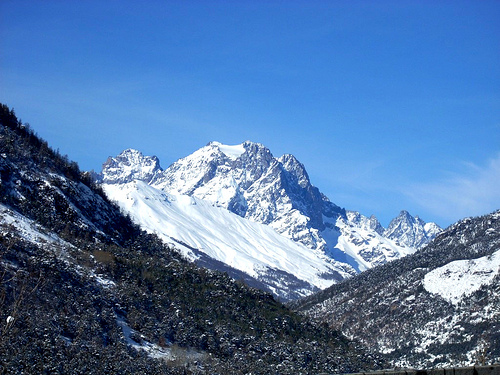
{"type": "Point", "coordinates": [85, 289]}
{"type": "Point", "coordinates": [257, 214]}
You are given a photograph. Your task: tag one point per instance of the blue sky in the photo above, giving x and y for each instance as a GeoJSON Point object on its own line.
{"type": "Point", "coordinates": [390, 105]}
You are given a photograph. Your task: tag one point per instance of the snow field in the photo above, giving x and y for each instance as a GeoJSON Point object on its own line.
{"type": "Point", "coordinates": [461, 278]}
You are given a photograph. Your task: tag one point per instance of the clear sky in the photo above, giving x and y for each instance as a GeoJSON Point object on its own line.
{"type": "Point", "coordinates": [390, 105]}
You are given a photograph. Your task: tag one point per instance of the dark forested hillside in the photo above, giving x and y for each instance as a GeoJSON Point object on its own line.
{"type": "Point", "coordinates": [85, 291]}
{"type": "Point", "coordinates": [416, 318]}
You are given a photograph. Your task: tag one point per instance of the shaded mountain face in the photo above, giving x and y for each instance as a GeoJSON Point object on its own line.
{"type": "Point", "coordinates": [84, 290]}
{"type": "Point", "coordinates": [248, 181]}
{"type": "Point", "coordinates": [411, 231]}
{"type": "Point", "coordinates": [436, 308]}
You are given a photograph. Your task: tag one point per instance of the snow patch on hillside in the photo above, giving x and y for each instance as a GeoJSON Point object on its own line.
{"type": "Point", "coordinates": [461, 278]}
{"type": "Point", "coordinates": [26, 228]}
{"type": "Point", "coordinates": [139, 342]}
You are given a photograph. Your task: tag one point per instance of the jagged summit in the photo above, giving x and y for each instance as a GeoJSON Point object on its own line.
{"type": "Point", "coordinates": [296, 169]}
{"type": "Point", "coordinates": [411, 231]}
{"type": "Point", "coordinates": [368, 223]}
{"type": "Point", "coordinates": [130, 165]}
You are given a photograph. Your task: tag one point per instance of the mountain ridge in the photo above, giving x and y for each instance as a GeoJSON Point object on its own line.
{"type": "Point", "coordinates": [435, 308]}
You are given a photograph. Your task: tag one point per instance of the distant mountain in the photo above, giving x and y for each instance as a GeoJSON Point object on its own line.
{"type": "Point", "coordinates": [439, 307]}
{"type": "Point", "coordinates": [248, 181]}
{"type": "Point", "coordinates": [130, 165]}
{"type": "Point", "coordinates": [411, 231]}
{"type": "Point", "coordinates": [83, 290]}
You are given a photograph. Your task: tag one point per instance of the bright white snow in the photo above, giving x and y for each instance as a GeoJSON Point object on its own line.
{"type": "Point", "coordinates": [461, 278]}
{"type": "Point", "coordinates": [232, 152]}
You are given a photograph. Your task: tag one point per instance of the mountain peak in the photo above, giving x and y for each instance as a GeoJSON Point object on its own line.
{"type": "Point", "coordinates": [411, 231]}
{"type": "Point", "coordinates": [130, 165]}
{"type": "Point", "coordinates": [296, 168]}
{"type": "Point", "coordinates": [403, 214]}
{"type": "Point", "coordinates": [247, 180]}
{"type": "Point", "coordinates": [232, 152]}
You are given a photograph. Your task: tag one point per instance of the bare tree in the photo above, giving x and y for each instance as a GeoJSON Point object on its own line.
{"type": "Point", "coordinates": [482, 351]}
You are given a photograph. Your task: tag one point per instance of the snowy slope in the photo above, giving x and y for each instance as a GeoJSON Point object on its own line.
{"type": "Point", "coordinates": [253, 248]}
{"type": "Point", "coordinates": [26, 229]}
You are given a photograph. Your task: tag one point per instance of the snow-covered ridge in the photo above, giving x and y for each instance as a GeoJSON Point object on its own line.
{"type": "Point", "coordinates": [248, 181]}
{"type": "Point", "coordinates": [461, 278]}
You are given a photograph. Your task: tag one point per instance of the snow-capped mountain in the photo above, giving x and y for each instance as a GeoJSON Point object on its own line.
{"type": "Point", "coordinates": [85, 290]}
{"type": "Point", "coordinates": [248, 181]}
{"type": "Point", "coordinates": [411, 231]}
{"type": "Point", "coordinates": [131, 165]}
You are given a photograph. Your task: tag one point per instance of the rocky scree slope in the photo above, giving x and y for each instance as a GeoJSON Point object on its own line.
{"type": "Point", "coordinates": [84, 291]}
{"type": "Point", "coordinates": [438, 307]}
